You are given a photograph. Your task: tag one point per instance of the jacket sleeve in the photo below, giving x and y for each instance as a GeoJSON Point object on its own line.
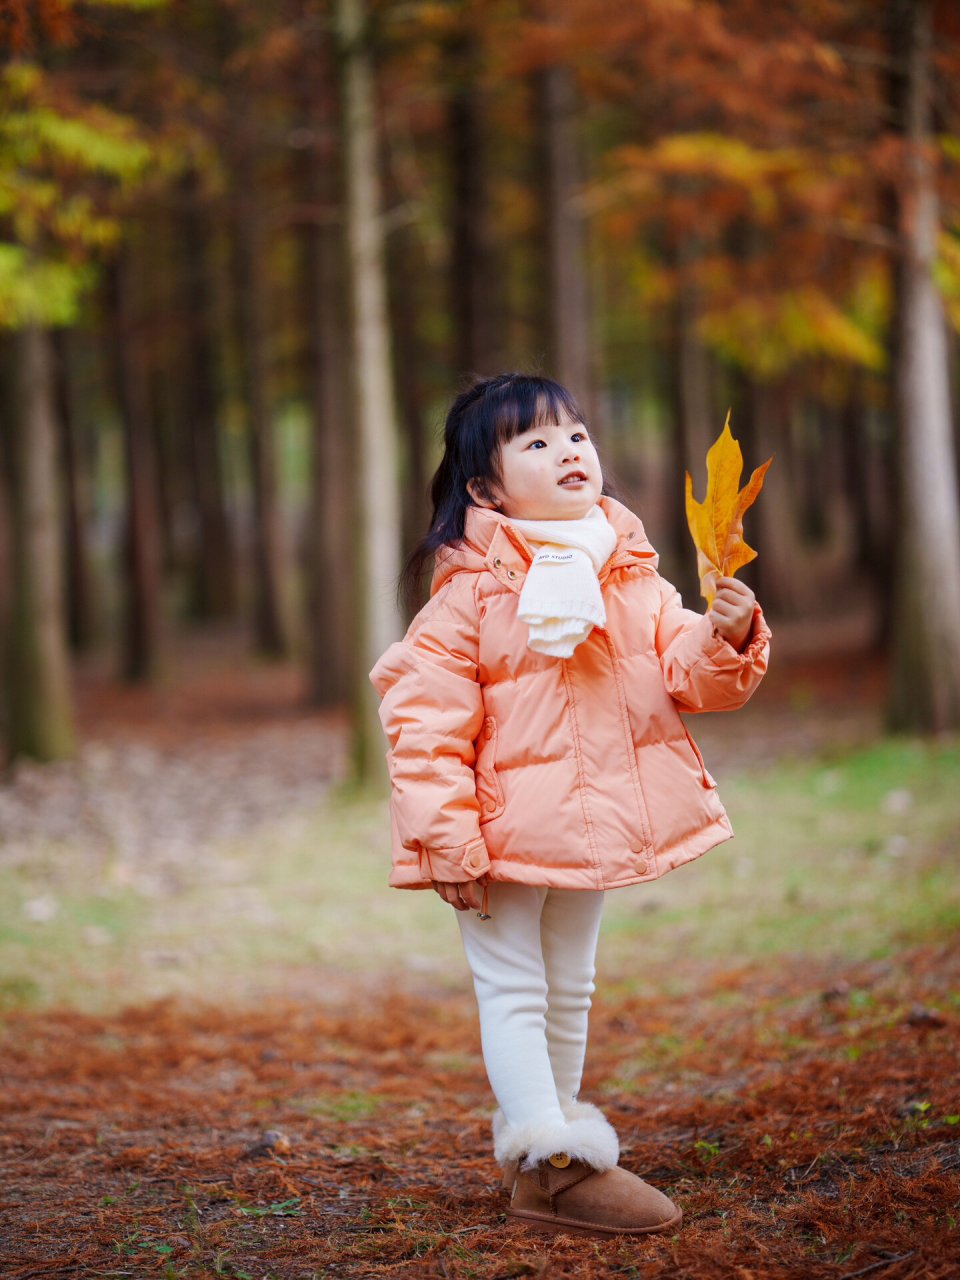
{"type": "Point", "coordinates": [432, 714]}
{"type": "Point", "coordinates": [701, 670]}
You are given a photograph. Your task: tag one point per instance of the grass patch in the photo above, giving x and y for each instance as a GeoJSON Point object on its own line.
{"type": "Point", "coordinates": [344, 1107]}
{"type": "Point", "coordinates": [849, 855]}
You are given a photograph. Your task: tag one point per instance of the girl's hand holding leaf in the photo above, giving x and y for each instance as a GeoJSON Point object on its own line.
{"type": "Point", "coordinates": [732, 611]}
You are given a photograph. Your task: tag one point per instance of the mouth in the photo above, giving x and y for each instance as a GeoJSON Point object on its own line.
{"type": "Point", "coordinates": [573, 477]}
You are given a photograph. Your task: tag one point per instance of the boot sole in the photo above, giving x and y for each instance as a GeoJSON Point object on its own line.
{"type": "Point", "coordinates": [554, 1226]}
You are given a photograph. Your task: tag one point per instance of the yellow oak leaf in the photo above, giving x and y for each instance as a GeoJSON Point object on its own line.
{"type": "Point", "coordinates": [716, 524]}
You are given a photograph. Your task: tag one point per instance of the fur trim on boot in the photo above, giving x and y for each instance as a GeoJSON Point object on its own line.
{"type": "Point", "coordinates": [582, 1111]}
{"type": "Point", "coordinates": [587, 1135]}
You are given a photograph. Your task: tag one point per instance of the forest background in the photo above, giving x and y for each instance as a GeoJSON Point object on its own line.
{"type": "Point", "coordinates": [248, 254]}
{"type": "Point", "coordinates": [251, 252]}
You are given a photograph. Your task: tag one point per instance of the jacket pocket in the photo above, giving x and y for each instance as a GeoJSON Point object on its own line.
{"type": "Point", "coordinates": [705, 775]}
{"type": "Point", "coordinates": [489, 790]}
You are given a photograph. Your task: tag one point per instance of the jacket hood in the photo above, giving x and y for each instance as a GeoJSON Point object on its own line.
{"type": "Point", "coordinates": [488, 534]}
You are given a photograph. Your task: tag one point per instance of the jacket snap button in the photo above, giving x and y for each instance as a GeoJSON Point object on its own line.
{"type": "Point", "coordinates": [560, 1161]}
{"type": "Point", "coordinates": [643, 866]}
{"type": "Point", "coordinates": [511, 573]}
{"type": "Point", "coordinates": [498, 563]}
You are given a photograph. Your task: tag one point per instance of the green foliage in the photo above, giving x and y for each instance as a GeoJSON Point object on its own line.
{"type": "Point", "coordinates": [103, 141]}
{"type": "Point", "coordinates": [24, 279]}
{"type": "Point", "coordinates": [63, 163]}
{"type": "Point", "coordinates": [705, 1150]}
{"type": "Point", "coordinates": [353, 1105]}
{"type": "Point", "coordinates": [279, 1209]}
{"type": "Point", "coordinates": [947, 273]}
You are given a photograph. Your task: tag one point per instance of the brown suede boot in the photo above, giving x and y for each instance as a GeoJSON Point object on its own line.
{"type": "Point", "coordinates": [561, 1194]}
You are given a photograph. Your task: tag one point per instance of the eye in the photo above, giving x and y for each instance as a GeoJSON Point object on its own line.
{"type": "Point", "coordinates": [578, 436]}
{"type": "Point", "coordinates": [537, 444]}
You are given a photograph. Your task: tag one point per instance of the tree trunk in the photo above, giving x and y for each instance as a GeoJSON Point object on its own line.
{"type": "Point", "coordinates": [271, 628]}
{"type": "Point", "coordinates": [330, 519]}
{"type": "Point", "coordinates": [858, 467]}
{"type": "Point", "coordinates": [775, 574]}
{"type": "Point", "coordinates": [925, 677]}
{"type": "Point", "coordinates": [866, 482]}
{"type": "Point", "coordinates": [6, 548]}
{"type": "Point", "coordinates": [8, 413]}
{"type": "Point", "coordinates": [39, 698]}
{"type": "Point", "coordinates": [410, 389]}
{"type": "Point", "coordinates": [379, 529]}
{"type": "Point", "coordinates": [691, 438]}
{"type": "Point", "coordinates": [81, 614]}
{"type": "Point", "coordinates": [142, 578]}
{"type": "Point", "coordinates": [477, 319]}
{"type": "Point", "coordinates": [568, 302]}
{"type": "Point", "coordinates": [214, 574]}
{"type": "Point", "coordinates": [157, 282]}
{"type": "Point", "coordinates": [407, 299]}
{"type": "Point", "coordinates": [953, 358]}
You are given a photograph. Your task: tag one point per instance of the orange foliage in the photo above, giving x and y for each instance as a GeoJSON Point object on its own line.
{"type": "Point", "coordinates": [22, 22]}
{"type": "Point", "coordinates": [761, 133]}
{"type": "Point", "coordinates": [804, 1117]}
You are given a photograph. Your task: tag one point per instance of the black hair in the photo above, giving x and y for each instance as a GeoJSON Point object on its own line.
{"type": "Point", "coordinates": [481, 420]}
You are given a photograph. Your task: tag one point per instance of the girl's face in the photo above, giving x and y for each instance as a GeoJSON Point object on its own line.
{"type": "Point", "coordinates": [550, 472]}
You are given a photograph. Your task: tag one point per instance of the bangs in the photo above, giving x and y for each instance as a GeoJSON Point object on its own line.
{"type": "Point", "coordinates": [527, 403]}
{"type": "Point", "coordinates": [483, 418]}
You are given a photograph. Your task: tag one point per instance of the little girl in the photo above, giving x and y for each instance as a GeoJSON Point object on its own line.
{"type": "Point", "coordinates": [537, 759]}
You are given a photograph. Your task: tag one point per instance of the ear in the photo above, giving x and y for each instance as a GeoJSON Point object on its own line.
{"type": "Point", "coordinates": [477, 490]}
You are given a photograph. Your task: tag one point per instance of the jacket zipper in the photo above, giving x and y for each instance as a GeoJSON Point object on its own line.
{"type": "Point", "coordinates": [631, 754]}
{"type": "Point", "coordinates": [581, 780]}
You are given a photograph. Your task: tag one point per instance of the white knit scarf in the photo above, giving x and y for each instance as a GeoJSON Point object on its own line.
{"type": "Point", "coordinates": [561, 600]}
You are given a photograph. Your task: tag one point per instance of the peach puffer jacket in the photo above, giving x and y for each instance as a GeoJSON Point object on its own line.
{"type": "Point", "coordinates": [571, 773]}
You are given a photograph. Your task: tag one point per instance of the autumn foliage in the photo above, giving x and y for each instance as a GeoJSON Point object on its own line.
{"type": "Point", "coordinates": [24, 22]}
{"type": "Point", "coordinates": [716, 523]}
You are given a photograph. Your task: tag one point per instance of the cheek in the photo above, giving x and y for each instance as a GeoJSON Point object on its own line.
{"type": "Point", "coordinates": [532, 473]}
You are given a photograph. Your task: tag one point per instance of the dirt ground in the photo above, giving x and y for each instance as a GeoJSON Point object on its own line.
{"type": "Point", "coordinates": [806, 1117]}
{"type": "Point", "coordinates": [806, 1122]}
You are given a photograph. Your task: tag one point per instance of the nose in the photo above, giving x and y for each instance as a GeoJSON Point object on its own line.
{"type": "Point", "coordinates": [570, 453]}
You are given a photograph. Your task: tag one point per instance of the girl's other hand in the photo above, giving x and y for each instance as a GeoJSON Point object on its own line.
{"type": "Point", "coordinates": [465, 895]}
{"type": "Point", "coordinates": [732, 611]}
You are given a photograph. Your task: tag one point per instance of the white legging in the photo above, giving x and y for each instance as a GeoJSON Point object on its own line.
{"type": "Point", "coordinates": [533, 971]}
